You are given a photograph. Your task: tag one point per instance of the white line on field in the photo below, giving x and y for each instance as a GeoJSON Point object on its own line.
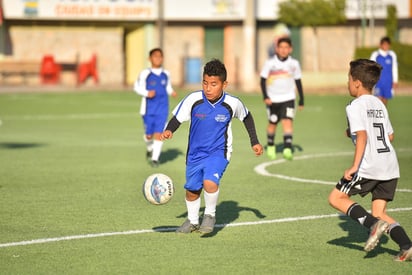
{"type": "Point", "coordinates": [261, 168]}
{"type": "Point", "coordinates": [171, 229]}
{"type": "Point", "coordinates": [70, 116]}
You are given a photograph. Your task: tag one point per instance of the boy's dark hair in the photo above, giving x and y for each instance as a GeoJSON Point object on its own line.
{"type": "Point", "coordinates": [215, 68]}
{"type": "Point", "coordinates": [366, 71]}
{"type": "Point", "coordinates": [385, 39]}
{"type": "Point", "coordinates": [285, 40]}
{"type": "Point", "coordinates": [155, 50]}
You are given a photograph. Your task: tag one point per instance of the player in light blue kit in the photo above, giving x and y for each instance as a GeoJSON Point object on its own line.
{"type": "Point", "coordinates": [210, 112]}
{"type": "Point", "coordinates": [154, 86]}
{"type": "Point", "coordinates": [389, 77]}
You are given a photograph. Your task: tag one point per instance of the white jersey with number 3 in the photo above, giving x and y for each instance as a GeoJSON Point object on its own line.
{"type": "Point", "coordinates": [368, 113]}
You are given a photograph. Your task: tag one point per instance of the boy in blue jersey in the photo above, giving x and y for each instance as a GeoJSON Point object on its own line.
{"type": "Point", "coordinates": [154, 86]}
{"type": "Point", "coordinates": [389, 76]}
{"type": "Point", "coordinates": [210, 112]}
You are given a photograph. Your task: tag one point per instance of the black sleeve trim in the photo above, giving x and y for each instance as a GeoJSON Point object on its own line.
{"type": "Point", "coordinates": [251, 129]}
{"type": "Point", "coordinates": [263, 87]}
{"type": "Point", "coordinates": [173, 124]}
{"type": "Point", "coordinates": [300, 91]}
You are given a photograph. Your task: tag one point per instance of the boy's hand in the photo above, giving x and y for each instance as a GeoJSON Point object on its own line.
{"type": "Point", "coordinates": [348, 174]}
{"type": "Point", "coordinates": [267, 101]}
{"type": "Point", "coordinates": [166, 135]}
{"type": "Point", "coordinates": [347, 132]}
{"type": "Point", "coordinates": [151, 94]}
{"type": "Point", "coordinates": [258, 149]}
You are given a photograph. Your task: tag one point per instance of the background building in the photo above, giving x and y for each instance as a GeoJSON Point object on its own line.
{"type": "Point", "coordinates": [121, 32]}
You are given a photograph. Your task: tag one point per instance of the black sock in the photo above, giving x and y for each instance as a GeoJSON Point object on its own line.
{"type": "Point", "coordinates": [287, 141]}
{"type": "Point", "coordinates": [399, 236]}
{"type": "Point", "coordinates": [359, 214]}
{"type": "Point", "coordinates": [271, 139]}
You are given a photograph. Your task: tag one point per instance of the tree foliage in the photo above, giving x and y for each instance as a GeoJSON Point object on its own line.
{"type": "Point", "coordinates": [312, 12]}
{"type": "Point", "coordinates": [391, 23]}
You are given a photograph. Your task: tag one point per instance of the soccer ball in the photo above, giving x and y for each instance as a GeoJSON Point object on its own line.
{"type": "Point", "coordinates": [158, 189]}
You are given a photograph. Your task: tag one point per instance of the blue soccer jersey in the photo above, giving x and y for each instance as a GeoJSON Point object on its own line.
{"type": "Point", "coordinates": [158, 80]}
{"type": "Point", "coordinates": [210, 128]}
{"type": "Point", "coordinates": [389, 74]}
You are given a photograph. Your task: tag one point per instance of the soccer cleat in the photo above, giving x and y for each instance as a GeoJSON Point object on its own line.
{"type": "Point", "coordinates": [271, 152]}
{"type": "Point", "coordinates": [375, 234]}
{"type": "Point", "coordinates": [208, 223]}
{"type": "Point", "coordinates": [148, 154]}
{"type": "Point", "coordinates": [287, 153]}
{"type": "Point", "coordinates": [404, 255]}
{"type": "Point", "coordinates": [154, 163]}
{"type": "Point", "coordinates": [187, 227]}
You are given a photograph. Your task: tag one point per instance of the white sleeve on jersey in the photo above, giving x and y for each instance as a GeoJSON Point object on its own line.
{"type": "Point", "coordinates": [298, 72]}
{"type": "Point", "coordinates": [169, 87]}
{"type": "Point", "coordinates": [374, 55]}
{"type": "Point", "coordinates": [239, 109]}
{"type": "Point", "coordinates": [182, 111]}
{"type": "Point", "coordinates": [266, 69]}
{"type": "Point", "coordinates": [140, 83]}
{"type": "Point", "coordinates": [395, 75]}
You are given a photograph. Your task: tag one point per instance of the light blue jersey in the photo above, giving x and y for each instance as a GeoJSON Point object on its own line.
{"type": "Point", "coordinates": [210, 129]}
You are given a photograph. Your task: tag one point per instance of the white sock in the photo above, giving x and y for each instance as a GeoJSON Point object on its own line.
{"type": "Point", "coordinates": [149, 143]}
{"type": "Point", "coordinates": [157, 149]}
{"type": "Point", "coordinates": [211, 202]}
{"type": "Point", "coordinates": [193, 208]}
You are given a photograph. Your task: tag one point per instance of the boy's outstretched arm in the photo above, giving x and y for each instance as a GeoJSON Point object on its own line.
{"type": "Point", "coordinates": [171, 127]}
{"type": "Point", "coordinates": [251, 129]}
{"type": "Point", "coordinates": [299, 87]}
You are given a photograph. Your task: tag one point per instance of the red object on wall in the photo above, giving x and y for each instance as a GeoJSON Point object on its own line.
{"type": "Point", "coordinates": [88, 69]}
{"type": "Point", "coordinates": [50, 70]}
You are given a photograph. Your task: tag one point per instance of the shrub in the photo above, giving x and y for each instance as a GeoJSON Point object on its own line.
{"type": "Point", "coordinates": [404, 54]}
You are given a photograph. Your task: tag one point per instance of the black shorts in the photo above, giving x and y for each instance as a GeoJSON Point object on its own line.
{"type": "Point", "coordinates": [282, 110]}
{"type": "Point", "coordinates": [380, 189]}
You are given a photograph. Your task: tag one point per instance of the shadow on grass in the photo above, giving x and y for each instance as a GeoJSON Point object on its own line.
{"type": "Point", "coordinates": [19, 145]}
{"type": "Point", "coordinates": [357, 236]}
{"type": "Point", "coordinates": [279, 148]}
{"type": "Point", "coordinates": [170, 155]}
{"type": "Point", "coordinates": [226, 213]}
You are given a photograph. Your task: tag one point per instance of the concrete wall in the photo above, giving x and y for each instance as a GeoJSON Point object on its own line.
{"type": "Point", "coordinates": [333, 46]}
{"type": "Point", "coordinates": [181, 43]}
{"type": "Point", "coordinates": [69, 44]}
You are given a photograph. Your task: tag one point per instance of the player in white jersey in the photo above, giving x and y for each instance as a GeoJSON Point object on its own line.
{"type": "Point", "coordinates": [375, 167]}
{"type": "Point", "coordinates": [279, 78]}
{"type": "Point", "coordinates": [210, 112]}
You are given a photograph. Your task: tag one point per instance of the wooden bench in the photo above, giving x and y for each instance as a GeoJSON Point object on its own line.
{"type": "Point", "coordinates": [20, 68]}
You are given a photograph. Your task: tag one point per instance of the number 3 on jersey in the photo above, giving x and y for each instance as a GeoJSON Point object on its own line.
{"type": "Point", "coordinates": [381, 138]}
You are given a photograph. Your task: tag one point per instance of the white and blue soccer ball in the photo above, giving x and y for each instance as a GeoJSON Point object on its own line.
{"type": "Point", "coordinates": [158, 189]}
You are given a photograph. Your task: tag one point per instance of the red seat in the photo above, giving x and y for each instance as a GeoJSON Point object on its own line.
{"type": "Point", "coordinates": [50, 70]}
{"type": "Point", "coordinates": [87, 69]}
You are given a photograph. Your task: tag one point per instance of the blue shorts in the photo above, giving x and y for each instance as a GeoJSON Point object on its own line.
{"type": "Point", "coordinates": [211, 168]}
{"type": "Point", "coordinates": [154, 123]}
{"type": "Point", "coordinates": [384, 91]}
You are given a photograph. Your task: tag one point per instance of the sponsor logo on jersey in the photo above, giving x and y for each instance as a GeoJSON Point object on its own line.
{"type": "Point", "coordinates": [221, 118]}
{"type": "Point", "coordinates": [200, 116]}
